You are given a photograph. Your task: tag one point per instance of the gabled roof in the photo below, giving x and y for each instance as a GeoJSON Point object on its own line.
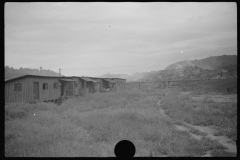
{"type": "Point", "coordinates": [116, 78]}
{"type": "Point", "coordinates": [105, 78]}
{"type": "Point", "coordinates": [8, 80]}
{"type": "Point", "coordinates": [97, 79]}
{"type": "Point", "coordinates": [84, 78]}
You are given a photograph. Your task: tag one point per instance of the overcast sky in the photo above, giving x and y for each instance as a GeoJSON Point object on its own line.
{"type": "Point", "coordinates": [91, 39]}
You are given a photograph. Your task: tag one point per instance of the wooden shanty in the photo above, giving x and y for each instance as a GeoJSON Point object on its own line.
{"type": "Point", "coordinates": [34, 88]}
{"type": "Point", "coordinates": [98, 85]}
{"type": "Point", "coordinates": [109, 84]}
{"type": "Point", "coordinates": [85, 85]}
{"type": "Point", "coordinates": [104, 84]}
{"type": "Point", "coordinates": [113, 84]}
{"type": "Point", "coordinates": [120, 83]}
{"type": "Point", "coordinates": [90, 85]}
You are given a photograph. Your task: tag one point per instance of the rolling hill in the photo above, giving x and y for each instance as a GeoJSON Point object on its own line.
{"type": "Point", "coordinates": [224, 62]}
{"type": "Point", "coordinates": [212, 67]}
{"type": "Point", "coordinates": [11, 72]}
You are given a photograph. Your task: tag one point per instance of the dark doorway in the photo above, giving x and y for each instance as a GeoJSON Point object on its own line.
{"type": "Point", "coordinates": [62, 88]}
{"type": "Point", "coordinates": [70, 86]}
{"type": "Point", "coordinates": [36, 90]}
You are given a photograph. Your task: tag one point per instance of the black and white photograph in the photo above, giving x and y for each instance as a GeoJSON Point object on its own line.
{"type": "Point", "coordinates": [120, 79]}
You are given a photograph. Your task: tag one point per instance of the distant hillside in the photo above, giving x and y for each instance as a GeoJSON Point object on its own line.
{"type": "Point", "coordinates": [10, 72]}
{"type": "Point", "coordinates": [224, 62]}
{"type": "Point", "coordinates": [212, 67]}
{"type": "Point", "coordinates": [189, 72]}
{"type": "Point", "coordinates": [179, 65]}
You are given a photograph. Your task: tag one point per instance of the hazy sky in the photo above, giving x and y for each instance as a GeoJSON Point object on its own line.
{"type": "Point", "coordinates": [94, 38]}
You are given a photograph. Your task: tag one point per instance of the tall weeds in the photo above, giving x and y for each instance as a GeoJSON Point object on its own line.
{"type": "Point", "coordinates": [92, 125]}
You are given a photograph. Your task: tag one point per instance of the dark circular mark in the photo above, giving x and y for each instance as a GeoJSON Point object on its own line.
{"type": "Point", "coordinates": [124, 149]}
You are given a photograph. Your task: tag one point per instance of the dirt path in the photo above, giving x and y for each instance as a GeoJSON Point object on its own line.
{"type": "Point", "coordinates": [208, 131]}
{"type": "Point", "coordinates": [223, 140]}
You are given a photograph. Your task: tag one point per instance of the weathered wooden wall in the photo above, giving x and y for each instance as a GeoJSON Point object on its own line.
{"type": "Point", "coordinates": [120, 84]}
{"type": "Point", "coordinates": [68, 88]}
{"type": "Point", "coordinates": [27, 94]}
{"type": "Point", "coordinates": [49, 94]}
{"type": "Point", "coordinates": [79, 85]}
{"type": "Point", "coordinates": [18, 96]}
{"type": "Point", "coordinates": [90, 86]}
{"type": "Point", "coordinates": [100, 85]}
{"type": "Point", "coordinates": [82, 87]}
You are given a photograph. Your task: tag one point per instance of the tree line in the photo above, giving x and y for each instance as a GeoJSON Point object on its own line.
{"type": "Point", "coordinates": [10, 72]}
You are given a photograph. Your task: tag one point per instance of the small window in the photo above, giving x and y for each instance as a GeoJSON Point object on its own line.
{"type": "Point", "coordinates": [76, 84]}
{"type": "Point", "coordinates": [55, 85]}
{"type": "Point", "coordinates": [45, 86]}
{"type": "Point", "coordinates": [18, 87]}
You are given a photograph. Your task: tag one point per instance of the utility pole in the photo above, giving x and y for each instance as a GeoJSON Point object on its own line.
{"type": "Point", "coordinates": [60, 72]}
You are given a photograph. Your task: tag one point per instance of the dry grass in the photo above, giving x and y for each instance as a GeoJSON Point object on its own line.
{"type": "Point", "coordinates": [92, 125]}
{"type": "Point", "coordinates": [223, 86]}
{"type": "Point", "coordinates": [205, 112]}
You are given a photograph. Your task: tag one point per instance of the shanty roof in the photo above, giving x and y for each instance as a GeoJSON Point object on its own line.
{"type": "Point", "coordinates": [109, 80]}
{"type": "Point", "coordinates": [84, 78]}
{"type": "Point", "coordinates": [105, 78]}
{"type": "Point", "coordinates": [8, 80]}
{"type": "Point", "coordinates": [67, 80]}
{"type": "Point", "coordinates": [88, 79]}
{"type": "Point", "coordinates": [98, 78]}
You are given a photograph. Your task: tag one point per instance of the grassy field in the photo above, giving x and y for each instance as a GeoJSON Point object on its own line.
{"type": "Point", "coordinates": [223, 86]}
{"type": "Point", "coordinates": [90, 126]}
{"type": "Point", "coordinates": [222, 115]}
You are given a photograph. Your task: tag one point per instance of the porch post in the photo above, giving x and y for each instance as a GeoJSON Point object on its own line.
{"type": "Point", "coordinates": [73, 88]}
